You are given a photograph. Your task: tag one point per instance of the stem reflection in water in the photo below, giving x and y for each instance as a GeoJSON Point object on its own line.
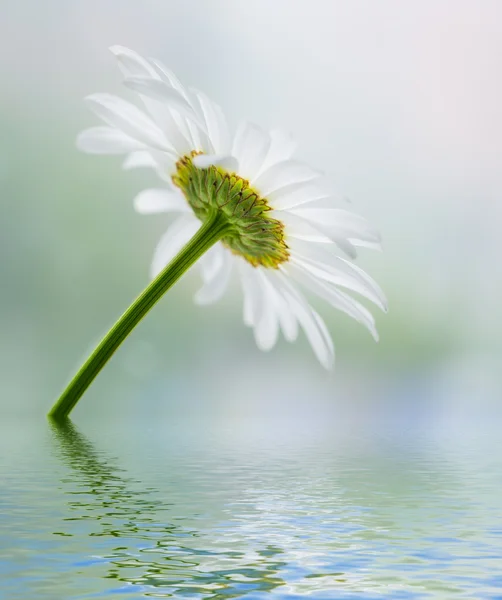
{"type": "Point", "coordinates": [152, 552]}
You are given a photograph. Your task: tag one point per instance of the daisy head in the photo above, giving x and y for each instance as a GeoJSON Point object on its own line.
{"type": "Point", "coordinates": [285, 231]}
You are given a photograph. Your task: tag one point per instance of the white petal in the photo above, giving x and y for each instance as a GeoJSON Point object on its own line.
{"type": "Point", "coordinates": [160, 200]}
{"type": "Point", "coordinates": [338, 278]}
{"type": "Point", "coordinates": [299, 228]}
{"type": "Point", "coordinates": [340, 223]}
{"type": "Point", "coordinates": [334, 296]}
{"type": "Point", "coordinates": [331, 200]}
{"type": "Point", "coordinates": [370, 282]}
{"type": "Point", "coordinates": [215, 287]}
{"type": "Point", "coordinates": [267, 329]}
{"type": "Point", "coordinates": [328, 342]}
{"type": "Point", "coordinates": [282, 147]}
{"type": "Point", "coordinates": [173, 241]}
{"type": "Point", "coordinates": [170, 108]}
{"type": "Point", "coordinates": [161, 162]}
{"type": "Point", "coordinates": [315, 336]}
{"type": "Point", "coordinates": [173, 124]}
{"type": "Point", "coordinates": [366, 244]}
{"type": "Point", "coordinates": [216, 123]}
{"type": "Point", "coordinates": [131, 63]}
{"type": "Point", "coordinates": [134, 66]}
{"type": "Point", "coordinates": [212, 261]}
{"type": "Point", "coordinates": [287, 319]}
{"type": "Point", "coordinates": [311, 323]}
{"type": "Point", "coordinates": [299, 194]}
{"type": "Point", "coordinates": [128, 118]}
{"type": "Point", "coordinates": [250, 147]}
{"type": "Point", "coordinates": [166, 164]}
{"type": "Point", "coordinates": [204, 161]}
{"type": "Point", "coordinates": [167, 75]}
{"type": "Point", "coordinates": [199, 135]}
{"type": "Point", "coordinates": [106, 140]}
{"type": "Point", "coordinates": [162, 92]}
{"type": "Point", "coordinates": [194, 132]}
{"type": "Point", "coordinates": [267, 326]}
{"type": "Point", "coordinates": [337, 270]}
{"type": "Point", "coordinates": [139, 159]}
{"type": "Point", "coordinates": [282, 174]}
{"type": "Point", "coordinates": [251, 292]}
{"type": "Point", "coordinates": [259, 307]}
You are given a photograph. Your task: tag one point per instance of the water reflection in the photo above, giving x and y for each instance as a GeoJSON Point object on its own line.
{"type": "Point", "coordinates": [229, 510]}
{"type": "Point", "coordinates": [236, 513]}
{"type": "Point", "coordinates": [152, 553]}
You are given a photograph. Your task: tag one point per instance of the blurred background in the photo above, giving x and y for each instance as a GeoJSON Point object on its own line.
{"type": "Point", "coordinates": [399, 103]}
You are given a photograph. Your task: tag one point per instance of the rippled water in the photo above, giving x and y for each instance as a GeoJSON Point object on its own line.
{"type": "Point", "coordinates": [247, 510]}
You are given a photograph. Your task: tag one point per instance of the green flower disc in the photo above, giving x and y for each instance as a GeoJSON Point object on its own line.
{"type": "Point", "coordinates": [253, 234]}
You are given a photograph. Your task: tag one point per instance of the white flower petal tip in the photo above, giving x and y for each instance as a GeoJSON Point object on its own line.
{"type": "Point", "coordinates": [138, 160]}
{"type": "Point", "coordinates": [131, 63]}
{"type": "Point", "coordinates": [106, 140]}
{"type": "Point", "coordinates": [128, 118]}
{"type": "Point", "coordinates": [172, 242]}
{"type": "Point", "coordinates": [282, 147]}
{"type": "Point", "coordinates": [218, 136]}
{"type": "Point", "coordinates": [216, 285]}
{"type": "Point", "coordinates": [118, 50]}
{"type": "Point", "coordinates": [283, 174]}
{"type": "Point", "coordinates": [251, 147]}
{"type": "Point", "coordinates": [329, 365]}
{"type": "Point", "coordinates": [204, 161]}
{"type": "Point", "coordinates": [337, 222]}
{"type": "Point", "coordinates": [180, 134]}
{"type": "Point", "coordinates": [154, 201]}
{"type": "Point", "coordinates": [163, 92]}
{"type": "Point", "coordinates": [378, 246]}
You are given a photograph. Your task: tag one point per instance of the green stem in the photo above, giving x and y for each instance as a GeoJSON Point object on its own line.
{"type": "Point", "coordinates": [210, 232]}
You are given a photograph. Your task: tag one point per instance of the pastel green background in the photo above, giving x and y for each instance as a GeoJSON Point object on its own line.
{"type": "Point", "coordinates": [398, 102]}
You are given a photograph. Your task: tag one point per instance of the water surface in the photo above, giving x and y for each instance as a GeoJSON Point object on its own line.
{"type": "Point", "coordinates": [247, 509]}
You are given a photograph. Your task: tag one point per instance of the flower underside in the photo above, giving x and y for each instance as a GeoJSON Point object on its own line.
{"type": "Point", "coordinates": [252, 234]}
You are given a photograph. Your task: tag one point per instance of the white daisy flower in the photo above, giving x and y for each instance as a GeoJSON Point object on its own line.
{"type": "Point", "coordinates": [285, 230]}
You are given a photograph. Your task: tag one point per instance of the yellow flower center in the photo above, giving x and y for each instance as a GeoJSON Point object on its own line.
{"type": "Point", "coordinates": [253, 234]}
